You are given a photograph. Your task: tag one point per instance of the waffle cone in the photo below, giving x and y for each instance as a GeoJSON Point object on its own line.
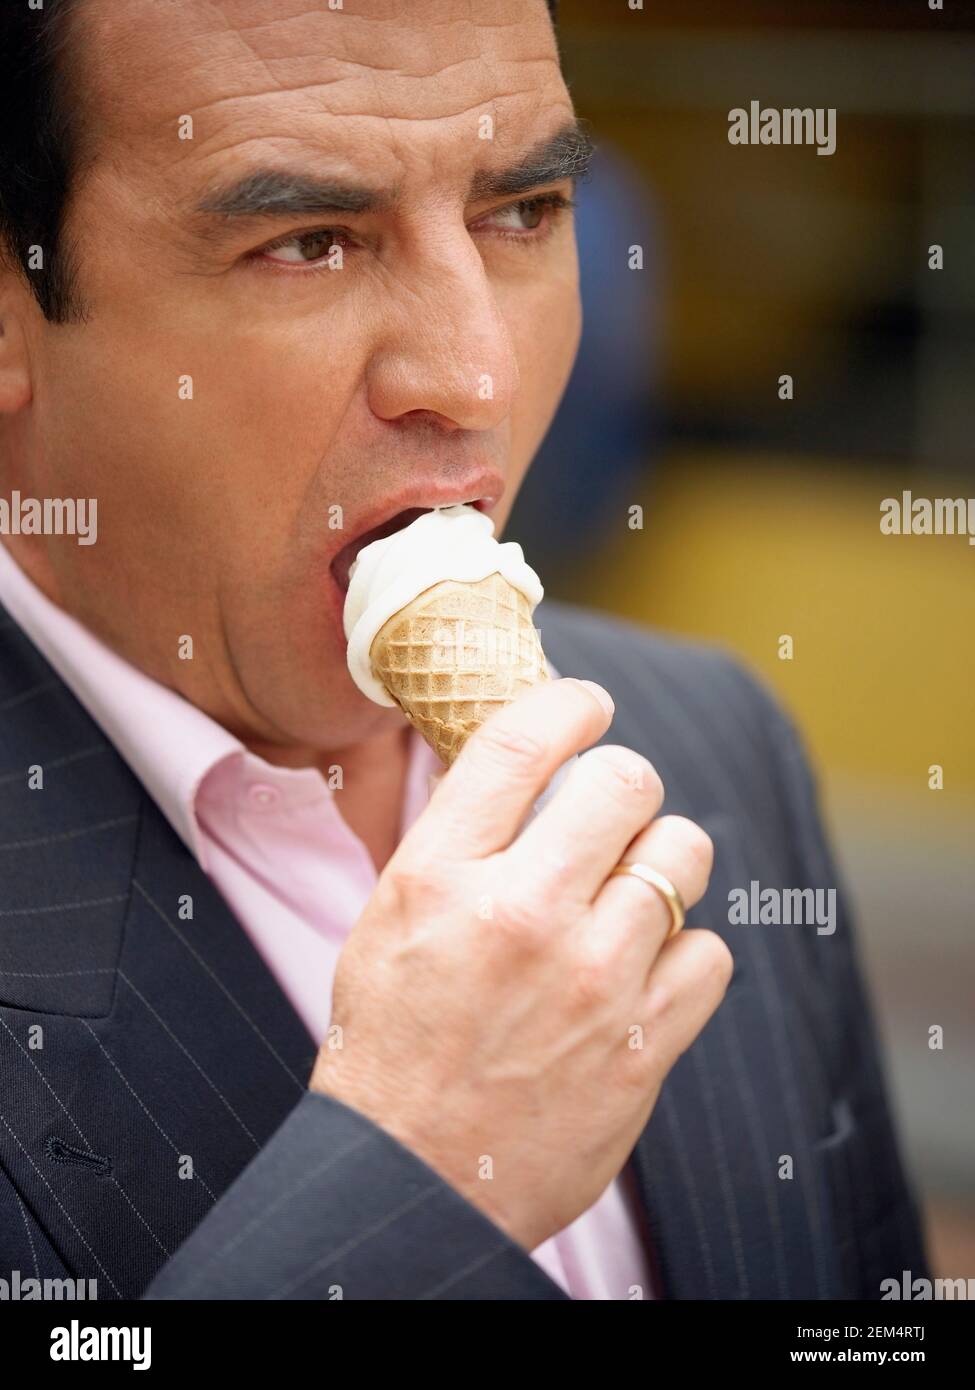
{"type": "Point", "coordinates": [456, 654]}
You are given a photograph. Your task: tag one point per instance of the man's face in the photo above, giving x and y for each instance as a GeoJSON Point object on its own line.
{"type": "Point", "coordinates": [422, 371]}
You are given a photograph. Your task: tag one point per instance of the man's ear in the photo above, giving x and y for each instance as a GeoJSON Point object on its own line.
{"type": "Point", "coordinates": [15, 377]}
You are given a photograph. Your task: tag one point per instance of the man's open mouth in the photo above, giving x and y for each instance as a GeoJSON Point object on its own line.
{"type": "Point", "coordinates": [343, 561]}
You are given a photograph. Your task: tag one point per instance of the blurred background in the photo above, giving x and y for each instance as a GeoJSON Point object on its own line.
{"type": "Point", "coordinates": [761, 515]}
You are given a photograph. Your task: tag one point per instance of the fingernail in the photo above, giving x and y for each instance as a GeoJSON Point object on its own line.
{"type": "Point", "coordinates": [603, 696]}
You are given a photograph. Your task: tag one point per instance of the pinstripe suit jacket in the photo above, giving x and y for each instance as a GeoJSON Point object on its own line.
{"type": "Point", "coordinates": [156, 1131]}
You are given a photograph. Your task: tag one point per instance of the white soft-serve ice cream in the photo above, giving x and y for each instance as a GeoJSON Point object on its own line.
{"type": "Point", "coordinates": [449, 543]}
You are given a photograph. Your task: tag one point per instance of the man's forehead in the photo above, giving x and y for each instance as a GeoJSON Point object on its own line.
{"type": "Point", "coordinates": [246, 69]}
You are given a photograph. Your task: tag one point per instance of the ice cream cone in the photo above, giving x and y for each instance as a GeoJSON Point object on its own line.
{"type": "Point", "coordinates": [457, 653]}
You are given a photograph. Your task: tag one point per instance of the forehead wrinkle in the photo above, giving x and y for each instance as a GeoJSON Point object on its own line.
{"type": "Point", "coordinates": [330, 130]}
{"type": "Point", "coordinates": [302, 51]}
{"type": "Point", "coordinates": [240, 117]}
{"type": "Point", "coordinates": [127, 70]}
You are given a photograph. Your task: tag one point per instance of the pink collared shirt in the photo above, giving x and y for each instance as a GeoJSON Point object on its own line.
{"type": "Point", "coordinates": [294, 874]}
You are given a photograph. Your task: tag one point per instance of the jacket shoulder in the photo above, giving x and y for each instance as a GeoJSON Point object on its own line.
{"type": "Point", "coordinates": [689, 680]}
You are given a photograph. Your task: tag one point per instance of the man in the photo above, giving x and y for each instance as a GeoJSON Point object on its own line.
{"type": "Point", "coordinates": [524, 1084]}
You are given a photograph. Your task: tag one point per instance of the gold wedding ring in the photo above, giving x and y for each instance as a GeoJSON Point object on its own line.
{"type": "Point", "coordinates": [664, 887]}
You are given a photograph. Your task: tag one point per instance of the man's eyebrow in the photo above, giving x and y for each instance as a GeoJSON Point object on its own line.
{"type": "Point", "coordinates": [284, 193]}
{"type": "Point", "coordinates": [281, 193]}
{"type": "Point", "coordinates": [565, 155]}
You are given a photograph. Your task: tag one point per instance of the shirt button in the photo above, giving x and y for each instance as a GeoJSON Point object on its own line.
{"type": "Point", "coordinates": [262, 797]}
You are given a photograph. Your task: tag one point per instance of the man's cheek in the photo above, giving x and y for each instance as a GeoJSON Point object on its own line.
{"type": "Point", "coordinates": [288, 403]}
{"type": "Point", "coordinates": [546, 353]}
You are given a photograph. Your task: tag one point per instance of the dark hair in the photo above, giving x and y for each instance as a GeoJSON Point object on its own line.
{"type": "Point", "coordinates": [40, 149]}
{"type": "Point", "coordinates": [37, 150]}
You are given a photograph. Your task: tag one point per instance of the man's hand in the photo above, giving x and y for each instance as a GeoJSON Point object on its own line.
{"type": "Point", "coordinates": [508, 1011]}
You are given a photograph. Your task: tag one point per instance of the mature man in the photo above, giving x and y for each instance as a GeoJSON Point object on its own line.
{"type": "Point", "coordinates": [202, 820]}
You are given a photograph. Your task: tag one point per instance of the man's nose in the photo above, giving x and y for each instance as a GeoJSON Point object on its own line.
{"type": "Point", "coordinates": [444, 346]}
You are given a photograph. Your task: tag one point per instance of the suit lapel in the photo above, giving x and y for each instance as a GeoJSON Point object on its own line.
{"type": "Point", "coordinates": [138, 1083]}
{"type": "Point", "coordinates": [126, 1128]}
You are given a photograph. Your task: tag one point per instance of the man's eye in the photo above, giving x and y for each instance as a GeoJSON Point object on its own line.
{"type": "Point", "coordinates": [517, 220]}
{"type": "Point", "coordinates": [528, 215]}
{"type": "Point", "coordinates": [304, 248]}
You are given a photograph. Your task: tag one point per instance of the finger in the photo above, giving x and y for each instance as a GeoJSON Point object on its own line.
{"type": "Point", "coordinates": [574, 842]}
{"type": "Point", "coordinates": [685, 987]}
{"type": "Point", "coordinates": [631, 920]}
{"type": "Point", "coordinates": [484, 798]}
